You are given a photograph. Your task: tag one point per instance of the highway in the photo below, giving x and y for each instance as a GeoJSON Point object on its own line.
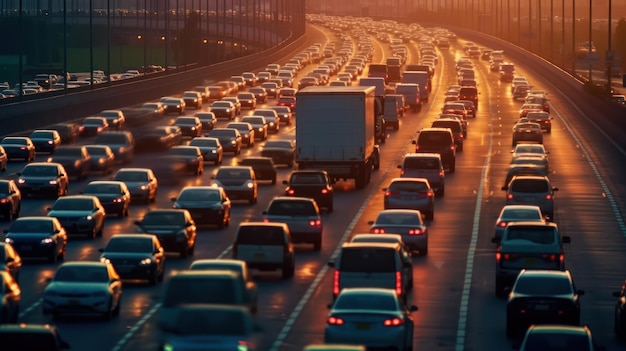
{"type": "Point", "coordinates": [454, 284]}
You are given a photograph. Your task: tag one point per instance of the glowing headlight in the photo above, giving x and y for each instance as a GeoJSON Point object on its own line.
{"type": "Point", "coordinates": [119, 199]}
{"type": "Point", "coordinates": [146, 261]}
{"type": "Point", "coordinates": [143, 187]}
{"type": "Point", "coordinates": [250, 185]}
{"type": "Point", "coordinates": [168, 347]}
{"type": "Point", "coordinates": [8, 240]}
{"type": "Point", "coordinates": [260, 129]}
{"type": "Point", "coordinates": [271, 124]}
{"type": "Point", "coordinates": [89, 218]}
{"type": "Point", "coordinates": [21, 181]}
{"type": "Point", "coordinates": [47, 241]}
{"type": "Point", "coordinates": [213, 151]}
{"type": "Point", "coordinates": [53, 182]}
{"type": "Point", "coordinates": [50, 142]}
{"type": "Point", "coordinates": [104, 260]}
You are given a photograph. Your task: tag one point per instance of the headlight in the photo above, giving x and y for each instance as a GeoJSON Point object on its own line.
{"type": "Point", "coordinates": [193, 128]}
{"type": "Point", "coordinates": [53, 182]}
{"type": "Point", "coordinates": [8, 240]}
{"type": "Point", "coordinates": [260, 129]}
{"type": "Point", "coordinates": [104, 260]}
{"type": "Point", "coordinates": [213, 151]}
{"type": "Point", "coordinates": [146, 261]}
{"type": "Point", "coordinates": [143, 187]}
{"type": "Point", "coordinates": [47, 241]}
{"type": "Point", "coordinates": [119, 199]}
{"type": "Point", "coordinates": [271, 124]}
{"type": "Point", "coordinates": [50, 142]}
{"type": "Point", "coordinates": [168, 347]}
{"type": "Point", "coordinates": [89, 217]}
{"type": "Point", "coordinates": [233, 142]}
{"type": "Point", "coordinates": [21, 181]}
{"type": "Point", "coordinates": [250, 185]}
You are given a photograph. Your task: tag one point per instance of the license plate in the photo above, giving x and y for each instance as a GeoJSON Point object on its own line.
{"type": "Point", "coordinates": [542, 307]}
{"type": "Point", "coordinates": [259, 256]}
{"type": "Point", "coordinates": [530, 260]}
{"type": "Point", "coordinates": [73, 302]}
{"type": "Point", "coordinates": [362, 326]}
{"type": "Point", "coordinates": [407, 197]}
{"type": "Point", "coordinates": [26, 248]}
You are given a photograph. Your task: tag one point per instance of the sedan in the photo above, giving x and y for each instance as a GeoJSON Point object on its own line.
{"type": "Point", "coordinates": [141, 182]}
{"type": "Point", "coordinates": [43, 177]}
{"type": "Point", "coordinates": [10, 295]}
{"type": "Point", "coordinates": [376, 318]}
{"type": "Point", "coordinates": [529, 150]}
{"type": "Point", "coordinates": [408, 223]}
{"type": "Point", "coordinates": [93, 126]}
{"type": "Point", "coordinates": [45, 140]}
{"type": "Point", "coordinates": [410, 193]}
{"type": "Point", "coordinates": [37, 237]}
{"type": "Point", "coordinates": [157, 138]}
{"type": "Point", "coordinates": [239, 182]}
{"type": "Point", "coordinates": [208, 120]}
{"type": "Point", "coordinates": [558, 337]}
{"type": "Point", "coordinates": [115, 118]}
{"type": "Point", "coordinates": [224, 109]}
{"type": "Point", "coordinates": [175, 229]}
{"type": "Point", "coordinates": [284, 114]}
{"type": "Point", "coordinates": [156, 108]}
{"type": "Point", "coordinates": [173, 105]}
{"type": "Point", "coordinates": [527, 132]}
{"type": "Point", "coordinates": [84, 287]}
{"type": "Point", "coordinates": [136, 256]}
{"type": "Point", "coordinates": [542, 297]}
{"type": "Point", "coordinates": [246, 130]}
{"type": "Point", "coordinates": [207, 205]}
{"type": "Point", "coordinates": [264, 167]}
{"type": "Point", "coordinates": [10, 199]}
{"type": "Point", "coordinates": [281, 151]}
{"type": "Point", "coordinates": [102, 158]}
{"type": "Point", "coordinates": [517, 213]}
{"type": "Point", "coordinates": [259, 93]}
{"type": "Point", "coordinates": [193, 98]}
{"type": "Point", "coordinates": [289, 101]}
{"type": "Point", "coordinates": [211, 149]}
{"type": "Point", "coordinates": [75, 159]}
{"type": "Point", "coordinates": [271, 88]}
{"type": "Point", "coordinates": [542, 118]}
{"type": "Point", "coordinates": [532, 190]}
{"type": "Point", "coordinates": [114, 196]}
{"type": "Point", "coordinates": [189, 126]}
{"type": "Point", "coordinates": [68, 131]}
{"type": "Point", "coordinates": [229, 138]}
{"type": "Point", "coordinates": [79, 214]}
{"type": "Point", "coordinates": [191, 156]}
{"type": "Point", "coordinates": [21, 148]}
{"type": "Point", "coordinates": [313, 184]}
{"type": "Point", "coordinates": [247, 100]}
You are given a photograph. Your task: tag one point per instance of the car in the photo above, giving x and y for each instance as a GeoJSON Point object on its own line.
{"type": "Point", "coordinates": [10, 260]}
{"type": "Point", "coordinates": [542, 118]}
{"type": "Point", "coordinates": [157, 138]}
{"type": "Point", "coordinates": [438, 140]}
{"type": "Point", "coordinates": [247, 100]}
{"type": "Point", "coordinates": [237, 266]}
{"type": "Point", "coordinates": [175, 229]}
{"type": "Point", "coordinates": [216, 92]}
{"type": "Point", "coordinates": [10, 294]}
{"type": "Point", "coordinates": [527, 132]}
{"type": "Point", "coordinates": [156, 108]}
{"type": "Point", "coordinates": [21, 148]}
{"type": "Point", "coordinates": [528, 107]}
{"type": "Point", "coordinates": [250, 78]}
{"type": "Point", "coordinates": [410, 193]}
{"type": "Point", "coordinates": [45, 140]}
{"type": "Point", "coordinates": [37, 237]}
{"type": "Point", "coordinates": [207, 119]}
{"type": "Point", "coordinates": [121, 142]}
{"type": "Point", "coordinates": [229, 138]}
{"type": "Point", "coordinates": [302, 216]}
{"type": "Point", "coordinates": [189, 126]}
{"type": "Point", "coordinates": [408, 223]}
{"type": "Point", "coordinates": [115, 118]}
{"type": "Point", "coordinates": [424, 165]}
{"type": "Point", "coordinates": [246, 130]}
{"type": "Point", "coordinates": [173, 105]}
{"type": "Point", "coordinates": [260, 125]}
{"type": "Point", "coordinates": [618, 99]}
{"type": "Point", "coordinates": [190, 156]}
{"type": "Point", "coordinates": [43, 178]}
{"type": "Point", "coordinates": [235, 101]}
{"type": "Point", "coordinates": [239, 182]}
{"type": "Point", "coordinates": [265, 246]}
{"type": "Point", "coordinates": [208, 205]}
{"type": "Point", "coordinates": [224, 109]}
{"type": "Point", "coordinates": [210, 148]}
{"type": "Point", "coordinates": [516, 213]}
{"type": "Point", "coordinates": [532, 190]}
{"type": "Point", "coordinates": [74, 158]}
{"type": "Point", "coordinates": [83, 287]}
{"type": "Point", "coordinates": [260, 94]}
{"type": "Point", "coordinates": [93, 126]}
{"type": "Point", "coordinates": [528, 159]}
{"type": "Point", "coordinates": [455, 126]}
{"type": "Point", "coordinates": [79, 214]}
{"type": "Point", "coordinates": [32, 337]}
{"type": "Point", "coordinates": [271, 117]}
{"type": "Point", "coordinates": [240, 81]}
{"type": "Point", "coordinates": [263, 167]}
{"type": "Point", "coordinates": [193, 98]}
{"type": "Point", "coordinates": [271, 88]}
{"type": "Point", "coordinates": [289, 101]}
{"type": "Point", "coordinates": [135, 256]}
{"type": "Point", "coordinates": [4, 160]}
{"type": "Point", "coordinates": [558, 336]}
{"type": "Point", "coordinates": [141, 182]}
{"type": "Point", "coordinates": [524, 149]}
{"type": "Point", "coordinates": [102, 158]}
{"type": "Point", "coordinates": [542, 297]}
{"type": "Point", "coordinates": [373, 317]}
{"type": "Point", "coordinates": [113, 195]}
{"type": "Point", "coordinates": [284, 113]}
{"type": "Point", "coordinates": [210, 326]}
{"type": "Point", "coordinates": [387, 238]}
{"type": "Point", "coordinates": [312, 184]}
{"type": "Point", "coordinates": [281, 151]}
{"type": "Point", "coordinates": [10, 199]}
{"type": "Point", "coordinates": [619, 324]}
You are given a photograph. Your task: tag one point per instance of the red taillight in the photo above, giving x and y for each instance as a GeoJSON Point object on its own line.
{"type": "Point", "coordinates": [549, 197]}
{"type": "Point", "coordinates": [393, 322]}
{"type": "Point", "coordinates": [266, 220]}
{"type": "Point", "coordinates": [315, 223]}
{"type": "Point", "coordinates": [324, 191]}
{"type": "Point", "coordinates": [452, 147]}
{"type": "Point", "coordinates": [498, 256]}
{"type": "Point", "coordinates": [336, 283]}
{"type": "Point", "coordinates": [417, 148]}
{"type": "Point", "coordinates": [401, 173]}
{"type": "Point", "coordinates": [510, 256]}
{"type": "Point", "coordinates": [430, 194]}
{"type": "Point", "coordinates": [417, 231]}
{"type": "Point", "coordinates": [378, 231]}
{"type": "Point", "coordinates": [509, 196]}
{"type": "Point", "coordinates": [561, 258]}
{"type": "Point", "coordinates": [3, 201]}
{"type": "Point", "coordinates": [291, 192]}
{"type": "Point", "coordinates": [390, 193]}
{"type": "Point", "coordinates": [399, 283]}
{"type": "Point", "coordinates": [502, 224]}
{"type": "Point", "coordinates": [335, 321]}
{"type": "Point", "coordinates": [551, 257]}
{"type": "Point", "coordinates": [441, 173]}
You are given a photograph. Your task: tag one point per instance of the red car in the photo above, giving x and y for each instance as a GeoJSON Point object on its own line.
{"type": "Point", "coordinates": [289, 101]}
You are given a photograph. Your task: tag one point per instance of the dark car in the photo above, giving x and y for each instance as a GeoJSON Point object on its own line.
{"type": "Point", "coordinates": [259, 93]}
{"type": "Point", "coordinates": [558, 337]}
{"type": "Point", "coordinates": [79, 214]}
{"type": "Point", "coordinates": [136, 256]}
{"type": "Point", "coordinates": [284, 114]}
{"type": "Point", "coordinates": [113, 195]}
{"type": "Point", "coordinates": [282, 151]}
{"type": "Point", "coordinates": [438, 140]}
{"type": "Point", "coordinates": [246, 130]}
{"type": "Point", "coordinates": [45, 140]}
{"type": "Point", "coordinates": [620, 312]}
{"type": "Point", "coordinates": [313, 184]}
{"type": "Point", "coordinates": [189, 126]}
{"type": "Point", "coordinates": [455, 126]}
{"type": "Point", "coordinates": [263, 167]}
{"type": "Point", "coordinates": [68, 131]}
{"type": "Point", "coordinates": [102, 158]}
{"type": "Point", "coordinates": [141, 182]}
{"type": "Point", "coordinates": [230, 139]}
{"type": "Point", "coordinates": [115, 118]}
{"type": "Point", "coordinates": [93, 126]}
{"type": "Point", "coordinates": [75, 159]}
{"type": "Point", "coordinates": [193, 98]}
{"type": "Point", "coordinates": [247, 100]}
{"type": "Point", "coordinates": [542, 297]}
{"type": "Point", "coordinates": [224, 109]}
{"type": "Point", "coordinates": [37, 237]}
{"type": "Point", "coordinates": [173, 105]}
{"type": "Point", "coordinates": [208, 205]}
{"type": "Point", "coordinates": [157, 109]}
{"type": "Point", "coordinates": [10, 294]}
{"type": "Point", "coordinates": [191, 156]}
{"type": "Point", "coordinates": [211, 149]}
{"type": "Point", "coordinates": [21, 148]}
{"type": "Point", "coordinates": [10, 260]}
{"type": "Point", "coordinates": [208, 120]}
{"type": "Point", "coordinates": [175, 229]}
{"type": "Point", "coordinates": [43, 178]}
{"type": "Point", "coordinates": [121, 142]}
{"type": "Point", "coordinates": [157, 138]}
{"type": "Point", "coordinates": [10, 199]}
{"type": "Point", "coordinates": [42, 337]}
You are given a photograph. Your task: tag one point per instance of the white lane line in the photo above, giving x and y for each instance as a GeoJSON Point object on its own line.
{"type": "Point", "coordinates": [471, 252]}
{"type": "Point", "coordinates": [30, 309]}
{"type": "Point", "coordinates": [135, 328]}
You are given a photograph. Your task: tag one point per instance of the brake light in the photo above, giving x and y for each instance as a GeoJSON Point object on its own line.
{"type": "Point", "coordinates": [451, 147]}
{"type": "Point", "coordinates": [510, 256]}
{"type": "Point", "coordinates": [3, 201]}
{"type": "Point", "coordinates": [290, 191]}
{"type": "Point", "coordinates": [265, 220]}
{"type": "Point", "coordinates": [393, 322]}
{"type": "Point", "coordinates": [417, 231]}
{"type": "Point", "coordinates": [509, 196]}
{"type": "Point", "coordinates": [390, 193]}
{"type": "Point", "coordinates": [401, 172]}
{"type": "Point", "coordinates": [378, 231]}
{"type": "Point", "coordinates": [336, 283]}
{"type": "Point", "coordinates": [549, 197]}
{"type": "Point", "coordinates": [441, 173]}
{"type": "Point", "coordinates": [335, 321]}
{"type": "Point", "coordinates": [430, 194]}
{"type": "Point", "coordinates": [315, 223]}
{"type": "Point", "coordinates": [561, 258]}
{"type": "Point", "coordinates": [324, 191]}
{"type": "Point", "coordinates": [551, 257]}
{"type": "Point", "coordinates": [417, 148]}
{"type": "Point", "coordinates": [399, 283]}
{"type": "Point", "coordinates": [502, 224]}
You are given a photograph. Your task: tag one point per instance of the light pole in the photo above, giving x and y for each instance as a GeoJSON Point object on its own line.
{"type": "Point", "coordinates": [590, 43]}
{"type": "Point", "coordinates": [609, 54]}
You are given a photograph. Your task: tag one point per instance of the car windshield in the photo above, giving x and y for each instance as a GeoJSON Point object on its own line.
{"type": "Point", "coordinates": [129, 245]}
{"type": "Point", "coordinates": [185, 121]}
{"type": "Point", "coordinates": [221, 104]}
{"type": "Point", "coordinates": [529, 149]}
{"type": "Point", "coordinates": [73, 204]}
{"type": "Point", "coordinates": [530, 186]}
{"type": "Point", "coordinates": [222, 133]}
{"type": "Point", "coordinates": [543, 285]}
{"type": "Point", "coordinates": [291, 208]}
{"type": "Point", "coordinates": [69, 151]}
{"type": "Point", "coordinates": [281, 144]}
{"type": "Point", "coordinates": [253, 120]}
{"type": "Point", "coordinates": [40, 171]}
{"type": "Point", "coordinates": [14, 141]}
{"type": "Point", "coordinates": [31, 226]}
{"type": "Point", "coordinates": [233, 174]}
{"type": "Point", "coordinates": [307, 178]}
{"type": "Point", "coordinates": [163, 218]}
{"type": "Point", "coordinates": [398, 219]}
{"type": "Point", "coordinates": [183, 151]}
{"type": "Point", "coordinates": [40, 134]}
{"type": "Point", "coordinates": [96, 151]}
{"type": "Point", "coordinates": [132, 176]}
{"type": "Point", "coordinates": [111, 138]}
{"type": "Point", "coordinates": [216, 322]}
{"type": "Point", "coordinates": [434, 138]}
{"type": "Point", "coordinates": [190, 290]}
{"type": "Point", "coordinates": [216, 265]}
{"type": "Point", "coordinates": [536, 235]}
{"type": "Point", "coordinates": [421, 163]}
{"type": "Point", "coordinates": [203, 142]}
{"type": "Point", "coordinates": [261, 235]}
{"type": "Point", "coordinates": [366, 302]}
{"type": "Point", "coordinates": [205, 195]}
{"type": "Point", "coordinates": [371, 260]}
{"type": "Point", "coordinates": [81, 274]}
{"type": "Point", "coordinates": [102, 188]}
{"type": "Point", "coordinates": [93, 122]}
{"type": "Point", "coordinates": [411, 186]}
{"type": "Point", "coordinates": [542, 341]}
{"type": "Point", "coordinates": [521, 214]}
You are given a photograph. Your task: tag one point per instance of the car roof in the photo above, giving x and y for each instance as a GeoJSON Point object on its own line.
{"type": "Point", "coordinates": [132, 236]}
{"type": "Point", "coordinates": [544, 273]}
{"type": "Point", "coordinates": [350, 245]}
{"type": "Point", "coordinates": [27, 328]}
{"type": "Point", "coordinates": [561, 329]}
{"type": "Point", "coordinates": [83, 264]}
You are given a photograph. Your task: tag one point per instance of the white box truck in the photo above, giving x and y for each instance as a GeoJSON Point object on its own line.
{"type": "Point", "coordinates": [335, 132]}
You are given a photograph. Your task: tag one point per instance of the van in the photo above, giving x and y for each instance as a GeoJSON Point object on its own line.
{"type": "Point", "coordinates": [377, 82]}
{"type": "Point", "coordinates": [372, 265]}
{"type": "Point", "coordinates": [378, 70]}
{"type": "Point", "coordinates": [411, 92]}
{"type": "Point", "coordinates": [455, 126]}
{"type": "Point", "coordinates": [391, 113]}
{"type": "Point", "coordinates": [401, 102]}
{"type": "Point", "coordinates": [265, 246]}
{"type": "Point", "coordinates": [439, 140]}
{"type": "Point", "coordinates": [424, 165]}
{"type": "Point", "coordinates": [469, 93]}
{"type": "Point", "coordinates": [421, 78]}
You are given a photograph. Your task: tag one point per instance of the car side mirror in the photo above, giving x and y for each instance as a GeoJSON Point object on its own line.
{"type": "Point", "coordinates": [496, 240]}
{"type": "Point", "coordinates": [137, 223]}
{"type": "Point", "coordinates": [188, 224]}
{"type": "Point", "coordinates": [62, 175]}
{"type": "Point", "coordinates": [370, 222]}
{"type": "Point", "coordinates": [566, 240]}
{"type": "Point", "coordinates": [285, 182]}
{"type": "Point", "coordinates": [413, 308]}
{"type": "Point", "coordinates": [384, 189]}
{"type": "Point", "coordinates": [399, 166]}
{"type": "Point", "coordinates": [414, 142]}
{"type": "Point", "coordinates": [5, 231]}
{"type": "Point", "coordinates": [264, 212]}
{"type": "Point", "coordinates": [555, 188]}
{"type": "Point", "coordinates": [10, 259]}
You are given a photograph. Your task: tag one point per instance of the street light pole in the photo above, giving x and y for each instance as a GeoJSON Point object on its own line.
{"type": "Point", "coordinates": [609, 54]}
{"type": "Point", "coordinates": [590, 43]}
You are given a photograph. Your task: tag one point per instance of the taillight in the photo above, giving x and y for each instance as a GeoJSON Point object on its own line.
{"type": "Point", "coordinates": [324, 191]}
{"type": "Point", "coordinates": [509, 256]}
{"type": "Point", "coordinates": [509, 196]}
{"type": "Point", "coordinates": [315, 223]}
{"type": "Point", "coordinates": [266, 220]}
{"type": "Point", "coordinates": [335, 321]}
{"type": "Point", "coordinates": [549, 197]}
{"type": "Point", "coordinates": [430, 193]}
{"type": "Point", "coordinates": [393, 322]}
{"type": "Point", "coordinates": [550, 257]}
{"type": "Point", "coordinates": [336, 283]}
{"type": "Point", "coordinates": [390, 193]}
{"type": "Point", "coordinates": [561, 258]}
{"type": "Point", "coordinates": [291, 192]}
{"type": "Point", "coordinates": [401, 172]}
{"type": "Point", "coordinates": [378, 231]}
{"type": "Point", "coordinates": [417, 231]}
{"type": "Point", "coordinates": [502, 224]}
{"type": "Point", "coordinates": [441, 173]}
{"type": "Point", "coordinates": [451, 147]}
{"type": "Point", "coordinates": [498, 256]}
{"type": "Point", "coordinates": [417, 148]}
{"type": "Point", "coordinates": [399, 283]}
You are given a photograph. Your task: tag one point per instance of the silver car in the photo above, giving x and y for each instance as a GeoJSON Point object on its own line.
{"type": "Point", "coordinates": [532, 190]}
{"type": "Point", "coordinates": [410, 193]}
{"type": "Point", "coordinates": [408, 223]}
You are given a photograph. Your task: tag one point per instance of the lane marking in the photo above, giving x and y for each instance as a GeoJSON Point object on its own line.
{"type": "Point", "coordinates": [30, 308]}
